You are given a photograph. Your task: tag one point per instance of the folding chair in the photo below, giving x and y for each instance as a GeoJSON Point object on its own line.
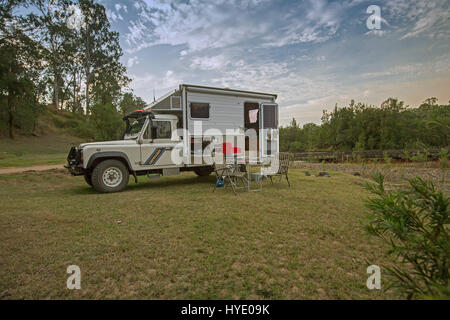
{"type": "Point", "coordinates": [230, 175]}
{"type": "Point", "coordinates": [283, 169]}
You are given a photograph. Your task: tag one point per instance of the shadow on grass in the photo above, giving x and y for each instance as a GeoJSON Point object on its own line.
{"type": "Point", "coordinates": [204, 184]}
{"type": "Point", "coordinates": [148, 184]}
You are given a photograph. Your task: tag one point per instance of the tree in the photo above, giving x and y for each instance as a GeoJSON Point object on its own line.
{"type": "Point", "coordinates": [19, 68]}
{"type": "Point", "coordinates": [130, 102]}
{"type": "Point", "coordinates": [104, 74]}
{"type": "Point", "coordinates": [107, 122]}
{"type": "Point", "coordinates": [364, 127]}
{"type": "Point", "coordinates": [50, 30]}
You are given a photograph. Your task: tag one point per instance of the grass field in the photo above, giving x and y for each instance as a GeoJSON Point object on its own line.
{"type": "Point", "coordinates": [172, 238]}
{"type": "Point", "coordinates": [29, 151]}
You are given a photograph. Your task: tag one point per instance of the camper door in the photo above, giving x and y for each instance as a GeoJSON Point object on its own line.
{"type": "Point", "coordinates": [268, 124]}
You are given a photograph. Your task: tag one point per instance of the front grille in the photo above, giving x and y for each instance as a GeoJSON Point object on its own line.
{"type": "Point", "coordinates": [74, 157]}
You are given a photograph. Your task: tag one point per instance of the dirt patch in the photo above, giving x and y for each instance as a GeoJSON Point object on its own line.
{"type": "Point", "coordinates": [44, 167]}
{"type": "Point", "coordinates": [393, 173]}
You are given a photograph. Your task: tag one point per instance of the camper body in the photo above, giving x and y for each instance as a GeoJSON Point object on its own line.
{"type": "Point", "coordinates": [173, 133]}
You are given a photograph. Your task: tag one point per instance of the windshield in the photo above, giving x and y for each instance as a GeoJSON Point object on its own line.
{"type": "Point", "coordinates": [134, 126]}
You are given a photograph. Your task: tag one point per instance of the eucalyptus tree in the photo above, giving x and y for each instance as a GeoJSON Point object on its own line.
{"type": "Point", "coordinates": [50, 30]}
{"type": "Point", "coordinates": [20, 67]}
{"type": "Point", "coordinates": [103, 73]}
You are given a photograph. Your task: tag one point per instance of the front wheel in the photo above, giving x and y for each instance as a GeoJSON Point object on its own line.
{"type": "Point", "coordinates": [110, 176]}
{"type": "Point", "coordinates": [88, 179]}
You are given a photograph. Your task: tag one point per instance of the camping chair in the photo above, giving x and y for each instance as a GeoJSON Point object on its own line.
{"type": "Point", "coordinates": [230, 175]}
{"type": "Point", "coordinates": [239, 174]}
{"type": "Point", "coordinates": [283, 168]}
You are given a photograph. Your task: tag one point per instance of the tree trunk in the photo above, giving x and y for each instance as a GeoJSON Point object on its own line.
{"type": "Point", "coordinates": [55, 91]}
{"type": "Point", "coordinates": [87, 94]}
{"type": "Point", "coordinates": [75, 107]}
{"type": "Point", "coordinates": [11, 115]}
{"type": "Point", "coordinates": [87, 69]}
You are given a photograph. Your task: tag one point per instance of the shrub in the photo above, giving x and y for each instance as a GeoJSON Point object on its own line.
{"type": "Point", "coordinates": [415, 223]}
{"type": "Point", "coordinates": [420, 157]}
{"type": "Point", "coordinates": [59, 123]}
{"type": "Point", "coordinates": [443, 158]}
{"type": "Point", "coordinates": [386, 158]}
{"type": "Point", "coordinates": [406, 156]}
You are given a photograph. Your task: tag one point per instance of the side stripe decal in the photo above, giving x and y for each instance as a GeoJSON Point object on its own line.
{"type": "Point", "coordinates": [154, 156]}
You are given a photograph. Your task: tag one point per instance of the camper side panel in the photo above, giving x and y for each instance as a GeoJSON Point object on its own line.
{"type": "Point", "coordinates": [226, 111]}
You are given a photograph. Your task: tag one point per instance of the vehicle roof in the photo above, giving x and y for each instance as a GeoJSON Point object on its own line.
{"type": "Point", "coordinates": [228, 89]}
{"type": "Point", "coordinates": [165, 117]}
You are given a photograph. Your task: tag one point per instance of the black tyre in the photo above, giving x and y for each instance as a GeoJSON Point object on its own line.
{"type": "Point", "coordinates": [88, 179]}
{"type": "Point", "coordinates": [110, 176]}
{"type": "Point", "coordinates": [203, 171]}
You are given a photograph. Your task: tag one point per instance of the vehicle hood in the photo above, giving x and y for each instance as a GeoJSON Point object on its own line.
{"type": "Point", "coordinates": [108, 143]}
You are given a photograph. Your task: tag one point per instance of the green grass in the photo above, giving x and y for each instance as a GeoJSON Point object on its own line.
{"type": "Point", "coordinates": [172, 238]}
{"type": "Point", "coordinates": [29, 151]}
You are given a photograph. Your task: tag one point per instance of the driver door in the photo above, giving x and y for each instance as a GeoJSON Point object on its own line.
{"type": "Point", "coordinates": [158, 145]}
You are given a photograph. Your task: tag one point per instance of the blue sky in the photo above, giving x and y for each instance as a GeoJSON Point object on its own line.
{"type": "Point", "coordinates": [312, 53]}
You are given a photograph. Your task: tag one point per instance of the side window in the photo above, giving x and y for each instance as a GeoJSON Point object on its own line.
{"type": "Point", "coordinates": [146, 135]}
{"type": "Point", "coordinates": [161, 130]}
{"type": "Point", "coordinates": [199, 110]}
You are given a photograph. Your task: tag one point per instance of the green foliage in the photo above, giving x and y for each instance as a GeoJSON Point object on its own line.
{"type": "Point", "coordinates": [78, 69]}
{"type": "Point", "coordinates": [406, 156]}
{"type": "Point", "coordinates": [420, 156]}
{"type": "Point", "coordinates": [106, 121]}
{"type": "Point", "coordinates": [443, 158]}
{"type": "Point", "coordinates": [386, 158]}
{"type": "Point", "coordinates": [130, 102]}
{"type": "Point", "coordinates": [415, 223]}
{"type": "Point", "coordinates": [360, 127]}
{"type": "Point", "coordinates": [19, 73]}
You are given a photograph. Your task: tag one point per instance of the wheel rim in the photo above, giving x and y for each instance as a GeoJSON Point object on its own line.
{"type": "Point", "coordinates": [112, 177]}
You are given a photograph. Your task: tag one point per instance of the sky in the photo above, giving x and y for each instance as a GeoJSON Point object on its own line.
{"type": "Point", "coordinates": [314, 54]}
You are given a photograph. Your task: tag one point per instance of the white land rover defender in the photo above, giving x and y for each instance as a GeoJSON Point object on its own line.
{"type": "Point", "coordinates": [146, 149]}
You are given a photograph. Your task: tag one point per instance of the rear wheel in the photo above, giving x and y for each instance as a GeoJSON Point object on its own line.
{"type": "Point", "coordinates": [203, 171]}
{"type": "Point", "coordinates": [110, 176]}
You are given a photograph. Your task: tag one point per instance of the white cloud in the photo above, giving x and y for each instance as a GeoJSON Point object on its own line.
{"type": "Point", "coordinates": [160, 83]}
{"type": "Point", "coordinates": [202, 24]}
{"type": "Point", "coordinates": [378, 33]}
{"type": "Point", "coordinates": [132, 61]}
{"type": "Point", "coordinates": [209, 63]}
{"type": "Point", "coordinates": [429, 18]}
{"type": "Point", "coordinates": [422, 69]}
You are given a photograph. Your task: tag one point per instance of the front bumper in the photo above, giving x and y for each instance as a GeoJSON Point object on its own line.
{"type": "Point", "coordinates": [75, 162]}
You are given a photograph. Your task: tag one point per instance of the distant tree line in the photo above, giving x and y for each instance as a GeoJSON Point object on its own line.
{"type": "Point", "coordinates": [63, 54]}
{"type": "Point", "coordinates": [360, 127]}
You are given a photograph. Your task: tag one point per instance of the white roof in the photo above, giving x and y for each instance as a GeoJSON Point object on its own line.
{"type": "Point", "coordinates": [165, 117]}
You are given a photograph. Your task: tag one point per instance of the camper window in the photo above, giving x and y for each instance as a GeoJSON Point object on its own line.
{"type": "Point", "coordinates": [199, 110]}
{"type": "Point", "coordinates": [270, 116]}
